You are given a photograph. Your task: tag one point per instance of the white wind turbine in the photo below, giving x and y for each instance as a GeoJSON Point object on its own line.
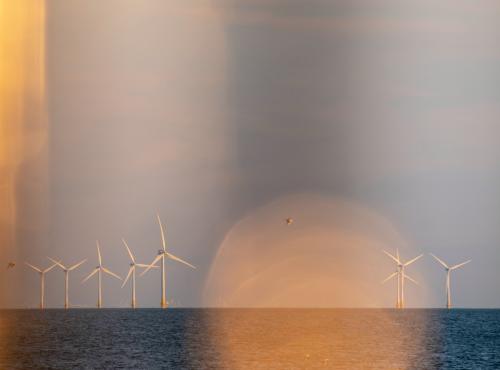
{"type": "Point", "coordinates": [448, 271]}
{"type": "Point", "coordinates": [100, 269]}
{"type": "Point", "coordinates": [162, 255]}
{"type": "Point", "coordinates": [42, 281]}
{"type": "Point", "coordinates": [401, 276]}
{"type": "Point", "coordinates": [395, 274]}
{"type": "Point", "coordinates": [131, 271]}
{"type": "Point", "coordinates": [66, 278]}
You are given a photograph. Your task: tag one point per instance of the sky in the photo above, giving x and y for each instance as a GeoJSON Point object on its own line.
{"type": "Point", "coordinates": [374, 125]}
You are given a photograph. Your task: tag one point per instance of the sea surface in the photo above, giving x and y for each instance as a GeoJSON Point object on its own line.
{"type": "Point", "coordinates": [249, 339]}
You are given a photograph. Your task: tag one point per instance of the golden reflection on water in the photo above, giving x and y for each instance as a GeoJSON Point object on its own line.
{"type": "Point", "coordinates": [322, 339]}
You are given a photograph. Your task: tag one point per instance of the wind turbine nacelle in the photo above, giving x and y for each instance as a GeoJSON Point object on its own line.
{"type": "Point", "coordinates": [160, 251]}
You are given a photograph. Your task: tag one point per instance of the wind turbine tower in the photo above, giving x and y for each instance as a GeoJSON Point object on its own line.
{"type": "Point", "coordinates": [131, 271]}
{"type": "Point", "coordinates": [162, 255]}
{"type": "Point", "coordinates": [99, 270]}
{"type": "Point", "coordinates": [66, 278]}
{"type": "Point", "coordinates": [42, 281]}
{"type": "Point", "coordinates": [401, 276]}
{"type": "Point", "coordinates": [448, 270]}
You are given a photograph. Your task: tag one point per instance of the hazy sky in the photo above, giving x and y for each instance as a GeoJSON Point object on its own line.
{"type": "Point", "coordinates": [208, 112]}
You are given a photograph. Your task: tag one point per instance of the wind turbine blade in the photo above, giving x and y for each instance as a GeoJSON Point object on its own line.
{"type": "Point", "coordinates": [163, 242]}
{"type": "Point", "coordinates": [440, 261]}
{"type": "Point", "coordinates": [172, 257]}
{"type": "Point", "coordinates": [50, 268]}
{"type": "Point", "coordinates": [128, 275]}
{"type": "Point", "coordinates": [413, 260]}
{"type": "Point", "coordinates": [98, 253]}
{"type": "Point", "coordinates": [110, 273]}
{"type": "Point", "coordinates": [33, 267]}
{"type": "Point", "coordinates": [459, 265]}
{"type": "Point", "coordinates": [90, 275]}
{"type": "Point", "coordinates": [57, 263]}
{"type": "Point", "coordinates": [397, 254]}
{"type": "Point", "coordinates": [412, 280]}
{"type": "Point", "coordinates": [128, 250]}
{"type": "Point", "coordinates": [391, 256]}
{"type": "Point", "coordinates": [389, 277]}
{"type": "Point", "coordinates": [144, 265]}
{"type": "Point", "coordinates": [78, 264]}
{"type": "Point", "coordinates": [152, 264]}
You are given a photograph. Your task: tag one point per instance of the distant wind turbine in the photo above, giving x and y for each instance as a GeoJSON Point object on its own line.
{"type": "Point", "coordinates": [448, 271]}
{"type": "Point", "coordinates": [162, 255]}
{"type": "Point", "coordinates": [66, 278]}
{"type": "Point", "coordinates": [401, 276]}
{"type": "Point", "coordinates": [42, 281]}
{"type": "Point", "coordinates": [100, 269]}
{"type": "Point", "coordinates": [396, 274]}
{"type": "Point", "coordinates": [131, 271]}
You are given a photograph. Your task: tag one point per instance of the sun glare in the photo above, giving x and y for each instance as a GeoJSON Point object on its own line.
{"type": "Point", "coordinates": [326, 258]}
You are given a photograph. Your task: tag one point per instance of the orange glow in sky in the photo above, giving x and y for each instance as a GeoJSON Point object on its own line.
{"type": "Point", "coordinates": [329, 257]}
{"type": "Point", "coordinates": [23, 122]}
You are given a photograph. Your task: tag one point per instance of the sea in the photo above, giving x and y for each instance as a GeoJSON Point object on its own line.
{"type": "Point", "coordinates": [250, 339]}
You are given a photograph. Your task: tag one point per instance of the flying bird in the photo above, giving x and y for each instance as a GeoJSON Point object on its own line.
{"type": "Point", "coordinates": [11, 265]}
{"type": "Point", "coordinates": [289, 221]}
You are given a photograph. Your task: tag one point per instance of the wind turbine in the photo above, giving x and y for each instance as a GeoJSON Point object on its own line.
{"type": "Point", "coordinates": [42, 281]}
{"type": "Point", "coordinates": [100, 269]}
{"type": "Point", "coordinates": [131, 271]}
{"type": "Point", "coordinates": [162, 255]}
{"type": "Point", "coordinates": [395, 274]}
{"type": "Point", "coordinates": [401, 276]}
{"type": "Point", "coordinates": [66, 278]}
{"type": "Point", "coordinates": [448, 271]}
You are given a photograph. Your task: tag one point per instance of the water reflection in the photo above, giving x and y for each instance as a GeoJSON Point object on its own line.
{"type": "Point", "coordinates": [250, 339]}
{"type": "Point", "coordinates": [328, 339]}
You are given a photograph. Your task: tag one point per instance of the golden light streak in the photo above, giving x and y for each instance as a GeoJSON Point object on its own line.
{"type": "Point", "coordinates": [23, 118]}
